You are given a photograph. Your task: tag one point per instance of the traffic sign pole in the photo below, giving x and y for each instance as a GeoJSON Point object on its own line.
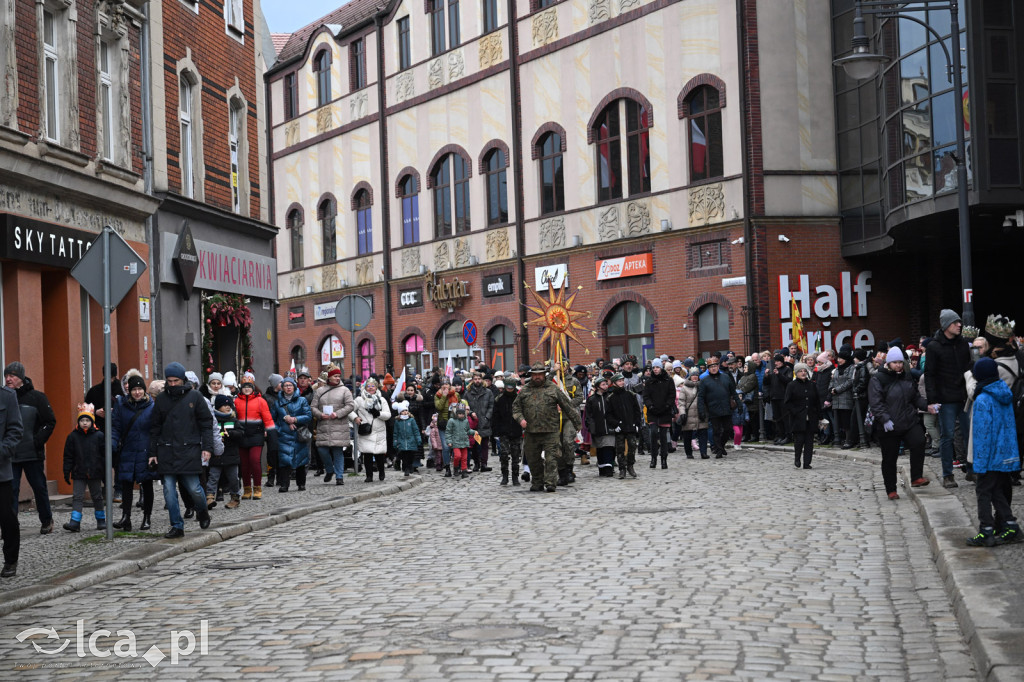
{"type": "Point", "coordinates": [108, 456]}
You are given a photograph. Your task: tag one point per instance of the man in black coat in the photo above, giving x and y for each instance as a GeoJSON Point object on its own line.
{"type": "Point", "coordinates": [181, 441]}
{"type": "Point", "coordinates": [660, 401]}
{"type": "Point", "coordinates": [29, 457]}
{"type": "Point", "coordinates": [10, 434]}
{"type": "Point", "coordinates": [716, 394]}
{"type": "Point", "coordinates": [776, 380]}
{"type": "Point", "coordinates": [625, 419]}
{"type": "Point", "coordinates": [95, 397]}
{"type": "Point", "coordinates": [946, 359]}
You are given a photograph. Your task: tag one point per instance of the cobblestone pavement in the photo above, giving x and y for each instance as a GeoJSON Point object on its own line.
{"type": "Point", "coordinates": [735, 569]}
{"type": "Point", "coordinates": [44, 556]}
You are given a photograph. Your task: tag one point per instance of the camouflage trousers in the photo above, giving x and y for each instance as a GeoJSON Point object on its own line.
{"type": "Point", "coordinates": [567, 457]}
{"type": "Point", "coordinates": [624, 458]}
{"type": "Point", "coordinates": [510, 450]}
{"type": "Point", "coordinates": [550, 444]}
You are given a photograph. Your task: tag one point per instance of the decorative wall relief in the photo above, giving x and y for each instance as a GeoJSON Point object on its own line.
{"type": "Point", "coordinates": [324, 119]}
{"type": "Point", "coordinates": [497, 244]}
{"type": "Point", "coordinates": [364, 270]}
{"type": "Point", "coordinates": [297, 284]}
{"type": "Point", "coordinates": [456, 65]}
{"type": "Point", "coordinates": [626, 5]}
{"type": "Point", "coordinates": [358, 106]}
{"type": "Point", "coordinates": [405, 86]}
{"type": "Point", "coordinates": [435, 74]}
{"type": "Point", "coordinates": [462, 252]}
{"type": "Point", "coordinates": [545, 26]}
{"type": "Point", "coordinates": [552, 234]}
{"type": "Point", "coordinates": [706, 202]}
{"type": "Point", "coordinates": [608, 224]}
{"type": "Point", "coordinates": [329, 277]}
{"type": "Point", "coordinates": [638, 219]}
{"type": "Point", "coordinates": [442, 257]}
{"type": "Point", "coordinates": [490, 50]}
{"type": "Point", "coordinates": [599, 10]}
{"type": "Point", "coordinates": [411, 261]}
{"type": "Point", "coordinates": [291, 134]}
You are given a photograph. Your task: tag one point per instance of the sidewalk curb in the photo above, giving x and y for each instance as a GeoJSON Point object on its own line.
{"type": "Point", "coordinates": [144, 556]}
{"type": "Point", "coordinates": [990, 616]}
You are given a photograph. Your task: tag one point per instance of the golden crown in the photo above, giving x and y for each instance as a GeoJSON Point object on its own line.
{"type": "Point", "coordinates": [999, 326]}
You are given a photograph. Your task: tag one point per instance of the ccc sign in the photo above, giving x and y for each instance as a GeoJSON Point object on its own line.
{"type": "Point", "coordinates": [410, 298]}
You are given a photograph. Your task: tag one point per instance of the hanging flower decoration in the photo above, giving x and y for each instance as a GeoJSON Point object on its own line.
{"type": "Point", "coordinates": [227, 310]}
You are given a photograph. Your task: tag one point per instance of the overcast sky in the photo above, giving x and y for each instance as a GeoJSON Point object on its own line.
{"type": "Point", "coordinates": [286, 16]}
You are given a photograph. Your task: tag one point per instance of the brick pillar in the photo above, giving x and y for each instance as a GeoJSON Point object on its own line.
{"type": "Point", "coordinates": [61, 326]}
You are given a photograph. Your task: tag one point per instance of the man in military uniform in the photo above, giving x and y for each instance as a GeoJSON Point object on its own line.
{"type": "Point", "coordinates": [568, 454]}
{"type": "Point", "coordinates": [539, 408]}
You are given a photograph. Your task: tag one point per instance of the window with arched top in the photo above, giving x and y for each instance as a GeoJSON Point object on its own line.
{"type": "Point", "coordinates": [552, 186]}
{"type": "Point", "coordinates": [609, 154]}
{"type": "Point", "coordinates": [497, 187]}
{"type": "Point", "coordinates": [298, 356]}
{"type": "Point", "coordinates": [607, 133]}
{"type": "Point", "coordinates": [294, 223]}
{"type": "Point", "coordinates": [501, 349]}
{"type": "Point", "coordinates": [712, 329]}
{"type": "Point", "coordinates": [413, 346]}
{"type": "Point", "coordinates": [705, 133]}
{"type": "Point", "coordinates": [322, 69]}
{"type": "Point", "coordinates": [450, 179]}
{"type": "Point", "coordinates": [628, 330]}
{"type": "Point", "coordinates": [409, 191]}
{"type": "Point", "coordinates": [327, 213]}
{"type": "Point", "coordinates": [367, 361]}
{"type": "Point", "coordinates": [364, 224]}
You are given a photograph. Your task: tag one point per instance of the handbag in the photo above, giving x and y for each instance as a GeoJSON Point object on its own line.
{"type": "Point", "coordinates": [365, 429]}
{"type": "Point", "coordinates": [303, 434]}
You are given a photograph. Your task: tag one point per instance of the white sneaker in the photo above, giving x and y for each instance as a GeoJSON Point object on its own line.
{"type": "Point", "coordinates": [736, 446]}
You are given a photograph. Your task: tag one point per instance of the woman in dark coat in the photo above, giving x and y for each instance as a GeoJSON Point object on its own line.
{"type": "Point", "coordinates": [840, 397]}
{"type": "Point", "coordinates": [895, 401]}
{"type": "Point", "coordinates": [599, 423]}
{"type": "Point", "coordinates": [291, 412]}
{"type": "Point", "coordinates": [802, 407]}
{"type": "Point", "coordinates": [131, 421]}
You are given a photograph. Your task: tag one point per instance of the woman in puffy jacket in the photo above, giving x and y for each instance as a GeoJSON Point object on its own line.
{"type": "Point", "coordinates": [256, 422]}
{"type": "Point", "coordinates": [372, 408]}
{"type": "Point", "coordinates": [692, 425]}
{"type": "Point", "coordinates": [331, 406]}
{"type": "Point", "coordinates": [130, 425]}
{"type": "Point", "coordinates": [895, 401]}
{"type": "Point", "coordinates": [291, 412]}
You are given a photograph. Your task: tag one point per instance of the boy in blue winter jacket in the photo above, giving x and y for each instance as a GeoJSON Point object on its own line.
{"type": "Point", "coordinates": [993, 443]}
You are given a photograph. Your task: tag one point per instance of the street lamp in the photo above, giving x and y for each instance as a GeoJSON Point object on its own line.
{"type": "Point", "coordinates": [863, 64]}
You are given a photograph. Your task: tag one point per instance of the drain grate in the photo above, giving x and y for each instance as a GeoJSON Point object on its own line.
{"type": "Point", "coordinates": [246, 565]}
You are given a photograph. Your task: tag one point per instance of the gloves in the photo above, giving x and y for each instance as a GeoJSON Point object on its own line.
{"type": "Point", "coordinates": [374, 412]}
{"type": "Point", "coordinates": [618, 429]}
{"type": "Point", "coordinates": [888, 426]}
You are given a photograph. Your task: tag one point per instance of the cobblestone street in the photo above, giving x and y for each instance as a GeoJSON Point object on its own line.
{"type": "Point", "coordinates": [741, 568]}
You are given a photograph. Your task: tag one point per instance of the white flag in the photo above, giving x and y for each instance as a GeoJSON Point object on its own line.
{"type": "Point", "coordinates": [399, 387]}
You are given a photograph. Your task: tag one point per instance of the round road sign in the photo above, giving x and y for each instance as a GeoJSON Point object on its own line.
{"type": "Point", "coordinates": [469, 332]}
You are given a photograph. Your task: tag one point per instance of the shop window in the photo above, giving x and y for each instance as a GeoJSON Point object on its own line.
{"type": "Point", "coordinates": [450, 346]}
{"type": "Point", "coordinates": [367, 359]}
{"type": "Point", "coordinates": [552, 186]}
{"type": "Point", "coordinates": [327, 215]}
{"type": "Point", "coordinates": [404, 47]}
{"type": "Point", "coordinates": [712, 329]}
{"type": "Point", "coordinates": [414, 345]}
{"type": "Point", "coordinates": [497, 187]}
{"type": "Point", "coordinates": [628, 330]}
{"type": "Point", "coordinates": [294, 223]}
{"type": "Point", "coordinates": [364, 223]}
{"type": "Point", "coordinates": [409, 192]}
{"type": "Point", "coordinates": [357, 64]}
{"type": "Point", "coordinates": [501, 349]}
{"type": "Point", "coordinates": [322, 69]}
{"type": "Point", "coordinates": [705, 134]}
{"type": "Point", "coordinates": [331, 352]}
{"type": "Point", "coordinates": [451, 187]}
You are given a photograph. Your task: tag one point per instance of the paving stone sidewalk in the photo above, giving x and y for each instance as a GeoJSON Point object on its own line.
{"type": "Point", "coordinates": [739, 569]}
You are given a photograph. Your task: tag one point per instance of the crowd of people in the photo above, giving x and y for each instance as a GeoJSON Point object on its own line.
{"type": "Point", "coordinates": [957, 395]}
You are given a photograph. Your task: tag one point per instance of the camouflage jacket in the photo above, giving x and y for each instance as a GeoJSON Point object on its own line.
{"type": "Point", "coordinates": [538, 407]}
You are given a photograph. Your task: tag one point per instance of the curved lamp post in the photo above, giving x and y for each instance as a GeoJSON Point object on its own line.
{"type": "Point", "coordinates": [862, 64]}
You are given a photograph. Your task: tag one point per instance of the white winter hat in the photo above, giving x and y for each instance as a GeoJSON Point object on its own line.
{"type": "Point", "coordinates": [229, 379]}
{"type": "Point", "coordinates": [400, 406]}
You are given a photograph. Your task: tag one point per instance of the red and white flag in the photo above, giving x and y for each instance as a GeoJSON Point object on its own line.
{"type": "Point", "coordinates": [698, 148]}
{"type": "Point", "coordinates": [399, 387]}
{"type": "Point", "coordinates": [449, 369]}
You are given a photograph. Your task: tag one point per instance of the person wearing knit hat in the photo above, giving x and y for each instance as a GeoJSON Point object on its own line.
{"type": "Point", "coordinates": [372, 412]}
{"type": "Point", "coordinates": [801, 407]}
{"type": "Point", "coordinates": [230, 382]}
{"type": "Point", "coordinates": [407, 439]}
{"type": "Point", "coordinates": [28, 455]}
{"type": "Point", "coordinates": [193, 379]}
{"type": "Point", "coordinates": [214, 385]}
{"type": "Point", "coordinates": [895, 405]}
{"type": "Point", "coordinates": [291, 413]}
{"type": "Point", "coordinates": [130, 421]}
{"type": "Point", "coordinates": [996, 456]}
{"type": "Point", "coordinates": [15, 369]}
{"type": "Point", "coordinates": [85, 465]}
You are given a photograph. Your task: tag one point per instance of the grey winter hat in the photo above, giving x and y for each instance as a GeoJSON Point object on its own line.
{"type": "Point", "coordinates": [15, 368]}
{"type": "Point", "coordinates": [946, 318]}
{"type": "Point", "coordinates": [275, 380]}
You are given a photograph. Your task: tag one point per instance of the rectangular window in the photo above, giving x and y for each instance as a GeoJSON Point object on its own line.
{"type": "Point", "coordinates": [437, 42]}
{"type": "Point", "coordinates": [185, 117]}
{"type": "Point", "coordinates": [490, 15]}
{"type": "Point", "coordinates": [638, 148]}
{"type": "Point", "coordinates": [709, 255]}
{"type": "Point", "coordinates": [404, 51]}
{"type": "Point", "coordinates": [291, 96]}
{"type": "Point", "coordinates": [609, 155]}
{"type": "Point", "coordinates": [233, 15]}
{"type": "Point", "coordinates": [51, 74]}
{"type": "Point", "coordinates": [410, 220]}
{"type": "Point", "coordinates": [453, 24]}
{"type": "Point", "coordinates": [106, 102]}
{"type": "Point", "coordinates": [235, 124]}
{"type": "Point", "coordinates": [364, 231]}
{"type": "Point", "coordinates": [329, 236]}
{"type": "Point", "coordinates": [357, 64]}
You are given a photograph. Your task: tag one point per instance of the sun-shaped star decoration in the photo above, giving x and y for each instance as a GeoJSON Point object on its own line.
{"type": "Point", "coordinates": [557, 317]}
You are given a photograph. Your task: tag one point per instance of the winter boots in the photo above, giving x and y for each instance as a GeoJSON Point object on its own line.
{"type": "Point", "coordinates": [284, 479]}
{"type": "Point", "coordinates": [257, 493]}
{"type": "Point", "coordinates": [247, 490]}
{"type": "Point", "coordinates": [447, 471]}
{"type": "Point", "coordinates": [211, 501]}
{"type": "Point", "coordinates": [233, 504]}
{"type": "Point", "coordinates": [515, 476]}
{"type": "Point", "coordinates": [75, 524]}
{"type": "Point", "coordinates": [125, 523]}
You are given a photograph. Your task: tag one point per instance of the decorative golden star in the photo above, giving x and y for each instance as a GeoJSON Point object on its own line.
{"type": "Point", "coordinates": [556, 316]}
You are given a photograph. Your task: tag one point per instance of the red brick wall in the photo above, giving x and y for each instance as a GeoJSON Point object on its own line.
{"type": "Point", "coordinates": [220, 59]}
